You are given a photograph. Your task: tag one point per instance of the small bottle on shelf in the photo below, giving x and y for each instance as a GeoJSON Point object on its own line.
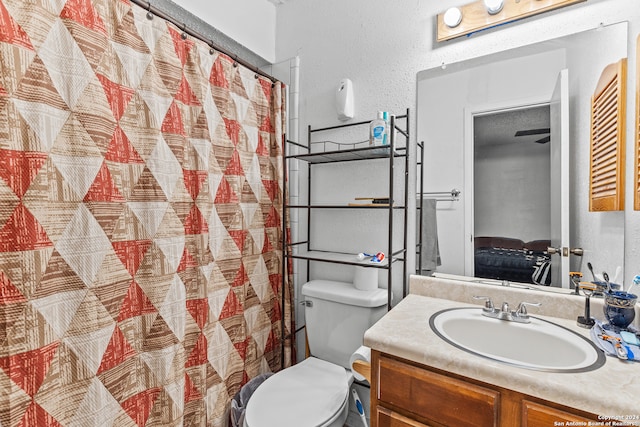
{"type": "Point", "coordinates": [377, 130]}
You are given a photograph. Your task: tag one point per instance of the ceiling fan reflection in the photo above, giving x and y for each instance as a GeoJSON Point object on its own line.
{"type": "Point", "coordinates": [541, 131]}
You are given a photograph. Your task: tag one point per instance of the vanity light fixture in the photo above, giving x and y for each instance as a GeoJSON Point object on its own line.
{"type": "Point", "coordinates": [482, 14]}
{"type": "Point", "coordinates": [452, 17]}
{"type": "Point", "coordinates": [493, 6]}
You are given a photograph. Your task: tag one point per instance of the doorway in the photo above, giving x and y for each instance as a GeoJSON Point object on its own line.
{"type": "Point", "coordinates": [511, 194]}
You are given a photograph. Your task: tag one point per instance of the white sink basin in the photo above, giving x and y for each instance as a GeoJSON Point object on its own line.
{"type": "Point", "coordinates": [538, 345]}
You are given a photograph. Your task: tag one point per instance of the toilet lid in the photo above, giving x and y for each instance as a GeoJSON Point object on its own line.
{"type": "Point", "coordinates": [307, 394]}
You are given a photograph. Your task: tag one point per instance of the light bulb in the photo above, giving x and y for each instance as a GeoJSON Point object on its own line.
{"type": "Point", "coordinates": [452, 17]}
{"type": "Point", "coordinates": [493, 6]}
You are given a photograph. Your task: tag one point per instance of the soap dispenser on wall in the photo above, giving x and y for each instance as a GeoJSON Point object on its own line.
{"type": "Point", "coordinates": [344, 99]}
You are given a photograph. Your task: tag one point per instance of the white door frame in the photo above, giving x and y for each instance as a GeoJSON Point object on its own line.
{"type": "Point", "coordinates": [470, 112]}
{"type": "Point", "coordinates": [560, 208]}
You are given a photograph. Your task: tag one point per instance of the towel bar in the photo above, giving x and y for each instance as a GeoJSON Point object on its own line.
{"type": "Point", "coordinates": [453, 195]}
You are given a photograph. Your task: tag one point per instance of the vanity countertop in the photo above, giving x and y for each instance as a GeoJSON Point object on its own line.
{"type": "Point", "coordinates": [612, 390]}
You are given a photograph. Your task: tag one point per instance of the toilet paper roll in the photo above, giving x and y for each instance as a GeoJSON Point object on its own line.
{"type": "Point", "coordinates": [366, 278]}
{"type": "Point", "coordinates": [362, 353]}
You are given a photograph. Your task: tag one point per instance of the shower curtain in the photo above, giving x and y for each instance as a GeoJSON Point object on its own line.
{"type": "Point", "coordinates": [141, 194]}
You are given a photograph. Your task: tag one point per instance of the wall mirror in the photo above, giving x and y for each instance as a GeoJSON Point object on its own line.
{"type": "Point", "coordinates": [519, 193]}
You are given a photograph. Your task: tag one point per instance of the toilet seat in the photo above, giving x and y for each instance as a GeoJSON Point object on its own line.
{"type": "Point", "coordinates": [312, 393]}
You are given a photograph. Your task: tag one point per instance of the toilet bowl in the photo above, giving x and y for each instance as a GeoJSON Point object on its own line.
{"type": "Point", "coordinates": [313, 393]}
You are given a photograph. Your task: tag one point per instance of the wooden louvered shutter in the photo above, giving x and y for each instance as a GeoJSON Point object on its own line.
{"type": "Point", "coordinates": [608, 110]}
{"type": "Point", "coordinates": [636, 170]}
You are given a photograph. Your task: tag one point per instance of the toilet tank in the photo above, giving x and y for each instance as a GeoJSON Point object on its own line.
{"type": "Point", "coordinates": [337, 315]}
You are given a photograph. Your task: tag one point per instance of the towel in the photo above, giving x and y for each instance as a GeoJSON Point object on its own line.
{"type": "Point", "coordinates": [429, 254]}
{"type": "Point", "coordinates": [600, 329]}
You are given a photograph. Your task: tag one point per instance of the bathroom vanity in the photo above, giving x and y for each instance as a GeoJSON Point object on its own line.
{"type": "Point", "coordinates": [413, 394]}
{"type": "Point", "coordinates": [418, 379]}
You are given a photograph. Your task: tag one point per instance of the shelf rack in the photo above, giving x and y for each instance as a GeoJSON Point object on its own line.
{"type": "Point", "coordinates": [357, 152]}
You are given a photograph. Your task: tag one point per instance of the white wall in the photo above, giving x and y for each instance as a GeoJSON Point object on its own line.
{"type": "Point", "coordinates": [511, 191]}
{"type": "Point", "coordinates": [381, 46]}
{"type": "Point", "coordinates": [251, 23]}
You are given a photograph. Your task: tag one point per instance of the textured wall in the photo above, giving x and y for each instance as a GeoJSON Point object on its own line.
{"type": "Point", "coordinates": [251, 23]}
{"type": "Point", "coordinates": [190, 17]}
{"type": "Point", "coordinates": [381, 46]}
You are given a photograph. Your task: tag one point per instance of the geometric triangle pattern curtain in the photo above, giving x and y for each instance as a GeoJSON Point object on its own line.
{"type": "Point", "coordinates": [141, 194]}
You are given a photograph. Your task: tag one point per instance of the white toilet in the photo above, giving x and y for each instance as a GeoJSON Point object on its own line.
{"type": "Point", "coordinates": [315, 392]}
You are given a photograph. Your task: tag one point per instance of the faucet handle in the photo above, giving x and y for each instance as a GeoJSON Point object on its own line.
{"type": "Point", "coordinates": [488, 304]}
{"type": "Point", "coordinates": [505, 307]}
{"type": "Point", "coordinates": [521, 310]}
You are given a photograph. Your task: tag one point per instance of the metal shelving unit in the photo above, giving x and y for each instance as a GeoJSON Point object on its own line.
{"type": "Point", "coordinates": [394, 154]}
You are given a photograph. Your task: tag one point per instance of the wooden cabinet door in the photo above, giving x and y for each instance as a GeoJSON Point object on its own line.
{"type": "Point", "coordinates": [388, 418]}
{"type": "Point", "coordinates": [608, 131]}
{"type": "Point", "coordinates": [407, 395]}
{"type": "Point", "coordinates": [636, 131]}
{"type": "Point", "coordinates": [537, 415]}
{"type": "Point", "coordinates": [433, 396]}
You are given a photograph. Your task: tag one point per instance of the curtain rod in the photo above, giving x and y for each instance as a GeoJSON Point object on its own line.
{"type": "Point", "coordinates": [160, 14]}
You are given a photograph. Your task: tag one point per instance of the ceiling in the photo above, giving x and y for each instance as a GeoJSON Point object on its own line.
{"type": "Point", "coordinates": [501, 127]}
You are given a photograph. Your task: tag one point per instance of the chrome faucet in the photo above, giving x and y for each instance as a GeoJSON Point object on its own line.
{"type": "Point", "coordinates": [505, 313]}
{"type": "Point", "coordinates": [519, 315]}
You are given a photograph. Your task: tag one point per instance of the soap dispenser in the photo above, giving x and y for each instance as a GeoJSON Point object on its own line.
{"type": "Point", "coordinates": [344, 100]}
